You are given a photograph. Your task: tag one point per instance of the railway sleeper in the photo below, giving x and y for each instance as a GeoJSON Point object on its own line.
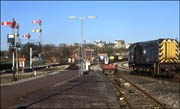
{"type": "Point", "coordinates": [147, 95]}
{"type": "Point", "coordinates": [128, 92]}
{"type": "Point", "coordinates": [134, 92]}
{"type": "Point", "coordinates": [123, 102]}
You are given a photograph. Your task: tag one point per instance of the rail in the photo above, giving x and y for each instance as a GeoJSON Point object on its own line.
{"type": "Point", "coordinates": [126, 89]}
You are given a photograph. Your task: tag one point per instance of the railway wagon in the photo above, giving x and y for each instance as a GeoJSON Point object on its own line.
{"type": "Point", "coordinates": [118, 58]}
{"type": "Point", "coordinates": [111, 59]}
{"type": "Point", "coordinates": [109, 69]}
{"type": "Point", "coordinates": [102, 59]}
{"type": "Point", "coordinates": [157, 57]}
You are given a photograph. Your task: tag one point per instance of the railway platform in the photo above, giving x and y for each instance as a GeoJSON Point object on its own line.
{"type": "Point", "coordinates": [11, 92]}
{"type": "Point", "coordinates": [91, 90]}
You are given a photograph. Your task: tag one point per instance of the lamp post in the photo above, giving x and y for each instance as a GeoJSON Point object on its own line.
{"type": "Point", "coordinates": [85, 41]}
{"type": "Point", "coordinates": [85, 50]}
{"type": "Point", "coordinates": [97, 41]}
{"type": "Point", "coordinates": [82, 20]}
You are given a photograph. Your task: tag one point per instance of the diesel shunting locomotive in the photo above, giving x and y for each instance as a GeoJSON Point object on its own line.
{"type": "Point", "coordinates": [158, 57]}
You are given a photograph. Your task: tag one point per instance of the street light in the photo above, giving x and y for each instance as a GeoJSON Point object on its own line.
{"type": "Point", "coordinates": [85, 50]}
{"type": "Point", "coordinates": [72, 17]}
{"type": "Point", "coordinates": [85, 41]}
{"type": "Point", "coordinates": [81, 19]}
{"type": "Point", "coordinates": [98, 41]}
{"type": "Point", "coordinates": [91, 17]}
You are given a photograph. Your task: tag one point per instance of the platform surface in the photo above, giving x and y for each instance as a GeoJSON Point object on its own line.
{"type": "Point", "coordinates": [88, 91]}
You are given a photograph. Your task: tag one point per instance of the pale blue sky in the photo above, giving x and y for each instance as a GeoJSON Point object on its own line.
{"type": "Point", "coordinates": [131, 21]}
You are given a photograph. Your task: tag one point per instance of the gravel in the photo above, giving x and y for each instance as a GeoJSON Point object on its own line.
{"type": "Point", "coordinates": [165, 92]}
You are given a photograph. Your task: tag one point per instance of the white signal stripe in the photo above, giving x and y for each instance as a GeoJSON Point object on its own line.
{"type": "Point", "coordinates": [25, 36]}
{"type": "Point", "coordinates": [10, 36]}
{"type": "Point", "coordinates": [6, 23]}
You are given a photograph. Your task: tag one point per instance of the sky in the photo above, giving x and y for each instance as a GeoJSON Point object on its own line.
{"type": "Point", "coordinates": [132, 21]}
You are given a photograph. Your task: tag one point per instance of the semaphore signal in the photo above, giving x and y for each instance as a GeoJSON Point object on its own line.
{"type": "Point", "coordinates": [16, 26]}
{"type": "Point", "coordinates": [38, 30]}
{"type": "Point", "coordinates": [11, 39]}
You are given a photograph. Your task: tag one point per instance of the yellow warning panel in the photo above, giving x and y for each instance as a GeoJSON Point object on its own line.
{"type": "Point", "coordinates": [168, 51]}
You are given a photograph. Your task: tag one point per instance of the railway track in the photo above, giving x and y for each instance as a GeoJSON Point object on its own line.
{"type": "Point", "coordinates": [163, 91]}
{"type": "Point", "coordinates": [27, 69]}
{"type": "Point", "coordinates": [131, 96]}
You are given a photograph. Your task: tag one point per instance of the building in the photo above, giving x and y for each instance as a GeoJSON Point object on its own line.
{"type": "Point", "coordinates": [127, 45]}
{"type": "Point", "coordinates": [88, 53]}
{"type": "Point", "coordinates": [119, 44]}
{"type": "Point", "coordinates": [100, 44]}
{"type": "Point", "coordinates": [75, 54]}
{"type": "Point", "coordinates": [110, 44]}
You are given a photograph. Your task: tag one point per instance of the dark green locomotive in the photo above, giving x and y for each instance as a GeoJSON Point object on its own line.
{"type": "Point", "coordinates": [159, 57]}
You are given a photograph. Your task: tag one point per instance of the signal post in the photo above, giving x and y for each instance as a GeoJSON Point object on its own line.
{"type": "Point", "coordinates": [13, 44]}
{"type": "Point", "coordinates": [38, 30]}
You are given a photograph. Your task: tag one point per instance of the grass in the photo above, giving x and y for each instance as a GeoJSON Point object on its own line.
{"type": "Point", "coordinates": [35, 63]}
{"type": "Point", "coordinates": [6, 61]}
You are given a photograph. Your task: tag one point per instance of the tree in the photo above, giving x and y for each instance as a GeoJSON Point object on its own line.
{"type": "Point", "coordinates": [25, 50]}
{"type": "Point", "coordinates": [49, 51]}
